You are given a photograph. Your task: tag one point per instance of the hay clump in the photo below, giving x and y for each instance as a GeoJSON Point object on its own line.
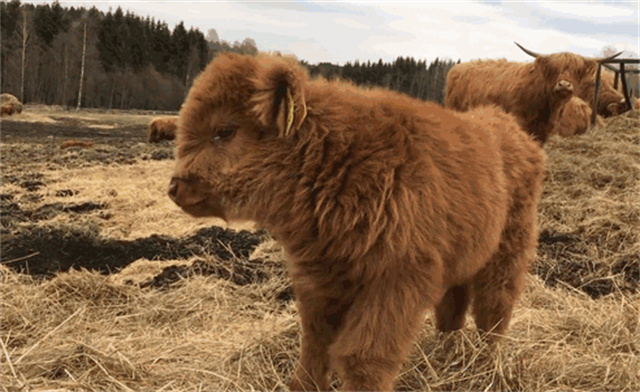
{"type": "Point", "coordinates": [10, 105]}
{"type": "Point", "coordinates": [75, 143]}
{"type": "Point", "coordinates": [87, 331]}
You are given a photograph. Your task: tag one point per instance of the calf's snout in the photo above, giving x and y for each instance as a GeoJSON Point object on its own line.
{"type": "Point", "coordinates": [185, 191]}
{"type": "Point", "coordinates": [173, 188]}
{"type": "Point", "coordinates": [564, 87]}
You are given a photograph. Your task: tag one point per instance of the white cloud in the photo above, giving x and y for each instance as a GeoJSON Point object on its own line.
{"type": "Point", "coordinates": [589, 11]}
{"type": "Point", "coordinates": [368, 30]}
{"type": "Point", "coordinates": [349, 22]}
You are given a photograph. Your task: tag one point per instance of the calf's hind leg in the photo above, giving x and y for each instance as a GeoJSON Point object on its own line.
{"type": "Point", "coordinates": [499, 284]}
{"type": "Point", "coordinates": [450, 312]}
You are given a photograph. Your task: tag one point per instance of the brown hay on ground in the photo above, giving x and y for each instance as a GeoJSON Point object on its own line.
{"type": "Point", "coordinates": [86, 331]}
{"type": "Point", "coordinates": [75, 143]}
{"type": "Point", "coordinates": [6, 110]}
{"type": "Point", "coordinates": [590, 209]}
{"type": "Point", "coordinates": [11, 100]}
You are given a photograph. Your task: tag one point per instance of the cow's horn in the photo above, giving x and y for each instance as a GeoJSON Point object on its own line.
{"type": "Point", "coordinates": [609, 58]}
{"type": "Point", "coordinates": [527, 51]}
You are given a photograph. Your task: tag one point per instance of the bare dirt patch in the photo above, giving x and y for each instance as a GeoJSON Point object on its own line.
{"type": "Point", "coordinates": [51, 250]}
{"type": "Point", "coordinates": [102, 188]}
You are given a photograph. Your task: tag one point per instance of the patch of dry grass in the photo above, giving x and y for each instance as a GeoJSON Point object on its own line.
{"type": "Point", "coordinates": [86, 331]}
{"type": "Point", "coordinates": [94, 118]}
{"type": "Point", "coordinates": [590, 209]}
{"type": "Point", "coordinates": [83, 330]}
{"type": "Point", "coordinates": [135, 195]}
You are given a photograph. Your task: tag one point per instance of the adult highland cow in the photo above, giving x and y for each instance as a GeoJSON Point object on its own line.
{"type": "Point", "coordinates": [386, 206]}
{"type": "Point", "coordinates": [611, 101]}
{"type": "Point", "coordinates": [533, 92]}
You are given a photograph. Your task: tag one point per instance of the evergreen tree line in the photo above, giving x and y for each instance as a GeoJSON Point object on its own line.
{"type": "Point", "coordinates": [139, 63]}
{"type": "Point", "coordinates": [415, 78]}
{"type": "Point", "coordinates": [129, 61]}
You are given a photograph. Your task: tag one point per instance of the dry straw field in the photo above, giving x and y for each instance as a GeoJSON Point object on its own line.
{"type": "Point", "coordinates": [106, 285]}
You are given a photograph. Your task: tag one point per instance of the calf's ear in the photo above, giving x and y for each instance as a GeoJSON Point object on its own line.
{"type": "Point", "coordinates": [279, 95]}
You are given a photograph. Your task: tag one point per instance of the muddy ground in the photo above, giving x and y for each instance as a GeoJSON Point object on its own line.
{"type": "Point", "coordinates": [32, 149]}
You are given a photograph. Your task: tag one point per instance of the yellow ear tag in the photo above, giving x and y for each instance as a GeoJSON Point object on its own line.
{"type": "Point", "coordinates": [291, 108]}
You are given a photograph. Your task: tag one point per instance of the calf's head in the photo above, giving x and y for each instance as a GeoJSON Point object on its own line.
{"type": "Point", "coordinates": [236, 127]}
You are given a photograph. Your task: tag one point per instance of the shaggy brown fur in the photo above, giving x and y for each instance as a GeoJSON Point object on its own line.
{"type": "Point", "coordinates": [163, 128]}
{"type": "Point", "coordinates": [75, 143]}
{"type": "Point", "coordinates": [611, 101]}
{"type": "Point", "coordinates": [574, 118]}
{"type": "Point", "coordinates": [387, 206]}
{"type": "Point", "coordinates": [533, 92]}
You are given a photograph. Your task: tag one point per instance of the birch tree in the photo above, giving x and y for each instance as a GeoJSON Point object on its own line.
{"type": "Point", "coordinates": [25, 32]}
{"type": "Point", "coordinates": [84, 55]}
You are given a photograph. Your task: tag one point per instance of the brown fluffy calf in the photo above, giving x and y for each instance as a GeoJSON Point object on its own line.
{"type": "Point", "coordinates": [386, 206]}
{"type": "Point", "coordinates": [533, 92]}
{"type": "Point", "coordinates": [163, 128]}
{"type": "Point", "coordinates": [574, 118]}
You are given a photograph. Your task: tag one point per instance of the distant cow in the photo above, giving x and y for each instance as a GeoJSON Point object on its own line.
{"type": "Point", "coordinates": [386, 205]}
{"type": "Point", "coordinates": [533, 92]}
{"type": "Point", "coordinates": [162, 128]}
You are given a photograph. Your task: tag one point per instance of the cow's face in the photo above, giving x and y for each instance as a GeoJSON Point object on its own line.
{"type": "Point", "coordinates": [567, 73]}
{"type": "Point", "coordinates": [238, 112]}
{"type": "Point", "coordinates": [564, 72]}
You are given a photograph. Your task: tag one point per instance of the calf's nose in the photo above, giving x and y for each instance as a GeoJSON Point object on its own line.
{"type": "Point", "coordinates": [564, 85]}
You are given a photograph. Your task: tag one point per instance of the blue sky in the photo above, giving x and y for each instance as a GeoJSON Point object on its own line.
{"type": "Point", "coordinates": [368, 30]}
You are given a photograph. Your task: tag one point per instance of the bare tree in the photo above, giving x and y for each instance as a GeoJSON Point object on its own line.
{"type": "Point", "coordinates": [63, 100]}
{"type": "Point", "coordinates": [84, 52]}
{"type": "Point", "coordinates": [192, 64]}
{"type": "Point", "coordinates": [26, 41]}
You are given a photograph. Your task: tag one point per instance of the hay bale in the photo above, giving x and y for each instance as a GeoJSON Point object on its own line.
{"type": "Point", "coordinates": [6, 110]}
{"type": "Point", "coordinates": [10, 104]}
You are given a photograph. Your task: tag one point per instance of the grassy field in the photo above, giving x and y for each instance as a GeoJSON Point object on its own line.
{"type": "Point", "coordinates": [106, 285]}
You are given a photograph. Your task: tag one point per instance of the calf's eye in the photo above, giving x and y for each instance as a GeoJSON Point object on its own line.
{"type": "Point", "coordinates": [223, 134]}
